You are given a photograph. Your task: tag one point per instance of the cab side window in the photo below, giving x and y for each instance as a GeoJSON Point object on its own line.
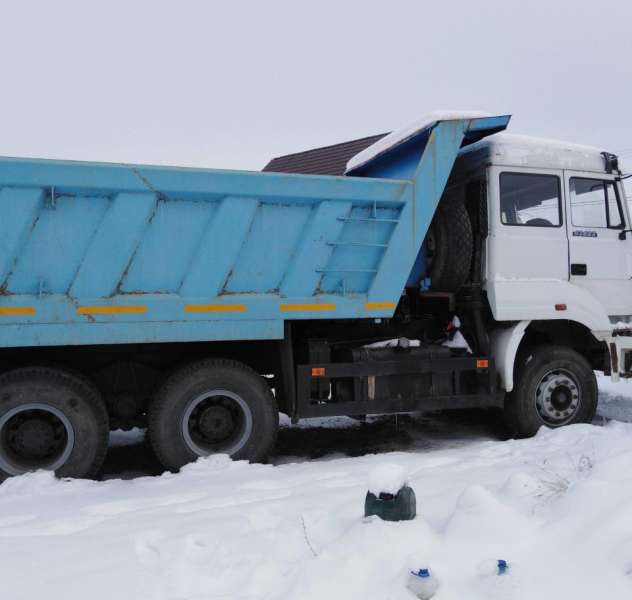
{"type": "Point", "coordinates": [595, 203]}
{"type": "Point", "coordinates": [530, 200]}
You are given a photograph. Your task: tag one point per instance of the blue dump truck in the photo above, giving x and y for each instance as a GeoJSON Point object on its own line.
{"type": "Point", "coordinates": [200, 303]}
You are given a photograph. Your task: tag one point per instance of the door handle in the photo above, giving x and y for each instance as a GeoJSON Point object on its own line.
{"type": "Point", "coordinates": [579, 269]}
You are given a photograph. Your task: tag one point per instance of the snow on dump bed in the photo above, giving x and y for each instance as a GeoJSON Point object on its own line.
{"type": "Point", "coordinates": [557, 507]}
{"type": "Point", "coordinates": [402, 135]}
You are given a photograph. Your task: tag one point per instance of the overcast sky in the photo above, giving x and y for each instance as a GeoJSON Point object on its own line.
{"type": "Point", "coordinates": [230, 84]}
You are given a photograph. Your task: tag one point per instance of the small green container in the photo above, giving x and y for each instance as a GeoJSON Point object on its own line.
{"type": "Point", "coordinates": [399, 507]}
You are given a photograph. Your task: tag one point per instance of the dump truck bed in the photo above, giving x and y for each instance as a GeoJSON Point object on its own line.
{"type": "Point", "coordinates": [105, 254]}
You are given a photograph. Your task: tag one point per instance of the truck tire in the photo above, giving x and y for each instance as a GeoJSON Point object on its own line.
{"type": "Point", "coordinates": [213, 406]}
{"type": "Point", "coordinates": [449, 246]}
{"type": "Point", "coordinates": [554, 386]}
{"type": "Point", "coordinates": [51, 419]}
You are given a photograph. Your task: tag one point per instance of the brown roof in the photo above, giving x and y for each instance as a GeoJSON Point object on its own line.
{"type": "Point", "coordinates": [329, 160]}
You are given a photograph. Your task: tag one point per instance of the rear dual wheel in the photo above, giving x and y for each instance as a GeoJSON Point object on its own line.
{"type": "Point", "coordinates": [213, 407]}
{"type": "Point", "coordinates": [56, 420]}
{"type": "Point", "coordinates": [51, 419]}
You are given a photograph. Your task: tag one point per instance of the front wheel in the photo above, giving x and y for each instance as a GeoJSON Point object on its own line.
{"type": "Point", "coordinates": [210, 407]}
{"type": "Point", "coordinates": [554, 386]}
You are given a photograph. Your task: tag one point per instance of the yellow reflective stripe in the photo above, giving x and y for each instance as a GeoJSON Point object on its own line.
{"type": "Point", "coordinates": [379, 305]}
{"type": "Point", "coordinates": [217, 308]}
{"type": "Point", "coordinates": [14, 311]}
{"type": "Point", "coordinates": [306, 307]}
{"type": "Point", "coordinates": [111, 310]}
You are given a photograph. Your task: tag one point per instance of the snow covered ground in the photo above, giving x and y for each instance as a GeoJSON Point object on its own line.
{"type": "Point", "coordinates": [557, 507]}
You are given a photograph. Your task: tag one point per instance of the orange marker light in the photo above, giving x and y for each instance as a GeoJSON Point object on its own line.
{"type": "Point", "coordinates": [560, 307]}
{"type": "Point", "coordinates": [318, 371]}
{"type": "Point", "coordinates": [482, 363]}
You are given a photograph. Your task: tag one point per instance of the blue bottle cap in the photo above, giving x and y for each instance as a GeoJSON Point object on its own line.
{"type": "Point", "coordinates": [502, 566]}
{"type": "Point", "coordinates": [421, 573]}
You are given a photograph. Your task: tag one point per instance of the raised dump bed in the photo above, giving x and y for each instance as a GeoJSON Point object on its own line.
{"type": "Point", "coordinates": [109, 254]}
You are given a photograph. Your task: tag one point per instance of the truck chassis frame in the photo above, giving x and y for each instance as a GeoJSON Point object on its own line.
{"type": "Point", "coordinates": [366, 374]}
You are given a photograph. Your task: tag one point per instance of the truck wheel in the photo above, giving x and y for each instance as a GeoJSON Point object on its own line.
{"type": "Point", "coordinates": [449, 246]}
{"type": "Point", "coordinates": [51, 419]}
{"type": "Point", "coordinates": [209, 407]}
{"type": "Point", "coordinates": [554, 386]}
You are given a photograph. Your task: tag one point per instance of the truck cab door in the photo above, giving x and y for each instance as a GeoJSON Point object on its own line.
{"type": "Point", "coordinates": [600, 261]}
{"type": "Point", "coordinates": [528, 239]}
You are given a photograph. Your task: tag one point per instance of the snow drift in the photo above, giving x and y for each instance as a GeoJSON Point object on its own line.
{"type": "Point", "coordinates": [557, 507]}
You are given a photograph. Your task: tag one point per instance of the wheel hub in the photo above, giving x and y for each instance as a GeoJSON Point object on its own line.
{"type": "Point", "coordinates": [558, 398]}
{"type": "Point", "coordinates": [216, 423]}
{"type": "Point", "coordinates": [34, 436]}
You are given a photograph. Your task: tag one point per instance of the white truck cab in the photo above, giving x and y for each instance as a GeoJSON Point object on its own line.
{"type": "Point", "coordinates": [559, 245]}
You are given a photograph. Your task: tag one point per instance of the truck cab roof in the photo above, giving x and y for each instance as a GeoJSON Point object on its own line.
{"type": "Point", "coordinates": [508, 149]}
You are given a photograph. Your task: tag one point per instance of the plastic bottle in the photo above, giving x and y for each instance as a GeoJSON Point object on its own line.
{"type": "Point", "coordinates": [422, 584]}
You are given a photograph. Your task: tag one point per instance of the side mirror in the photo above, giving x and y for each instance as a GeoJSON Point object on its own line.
{"type": "Point", "coordinates": [612, 162]}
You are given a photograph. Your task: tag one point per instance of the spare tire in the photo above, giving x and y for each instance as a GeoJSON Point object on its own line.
{"type": "Point", "coordinates": [449, 246]}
